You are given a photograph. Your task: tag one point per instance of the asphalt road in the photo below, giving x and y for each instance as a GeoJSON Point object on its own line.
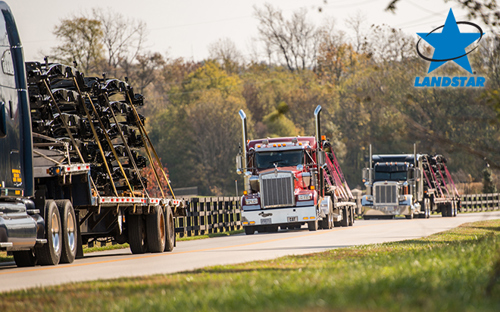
{"type": "Point", "coordinates": [190, 255]}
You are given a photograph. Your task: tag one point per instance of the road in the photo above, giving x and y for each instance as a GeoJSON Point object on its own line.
{"type": "Point", "coordinates": [195, 254]}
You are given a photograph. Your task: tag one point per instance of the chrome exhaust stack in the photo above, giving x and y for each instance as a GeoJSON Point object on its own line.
{"type": "Point", "coordinates": [242, 158]}
{"type": "Point", "coordinates": [317, 112]}
{"type": "Point", "coordinates": [243, 147]}
{"type": "Point", "coordinates": [320, 154]}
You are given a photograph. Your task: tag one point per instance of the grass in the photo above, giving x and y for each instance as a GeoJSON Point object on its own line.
{"type": "Point", "coordinates": [443, 272]}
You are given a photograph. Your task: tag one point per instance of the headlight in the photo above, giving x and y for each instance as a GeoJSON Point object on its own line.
{"type": "Point", "coordinates": [369, 197]}
{"type": "Point", "coordinates": [252, 201]}
{"type": "Point", "coordinates": [305, 197]}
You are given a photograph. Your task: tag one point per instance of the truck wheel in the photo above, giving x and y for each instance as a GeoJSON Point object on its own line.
{"type": "Point", "coordinates": [69, 230]}
{"type": "Point", "coordinates": [24, 258]}
{"type": "Point", "coordinates": [136, 234]}
{"type": "Point", "coordinates": [249, 230]}
{"type": "Point", "coordinates": [170, 228]}
{"type": "Point", "coordinates": [273, 228]}
{"type": "Point", "coordinates": [327, 222]}
{"type": "Point", "coordinates": [455, 209]}
{"type": "Point", "coordinates": [447, 210]}
{"type": "Point", "coordinates": [50, 253]}
{"type": "Point", "coordinates": [345, 217]}
{"type": "Point", "coordinates": [312, 225]}
{"type": "Point", "coordinates": [155, 230]}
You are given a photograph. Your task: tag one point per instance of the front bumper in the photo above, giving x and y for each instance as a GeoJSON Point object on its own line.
{"type": "Point", "coordinates": [278, 216]}
{"type": "Point", "coordinates": [393, 210]}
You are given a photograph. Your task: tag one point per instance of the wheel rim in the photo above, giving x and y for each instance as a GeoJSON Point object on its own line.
{"type": "Point", "coordinates": [71, 230]}
{"type": "Point", "coordinates": [56, 242]}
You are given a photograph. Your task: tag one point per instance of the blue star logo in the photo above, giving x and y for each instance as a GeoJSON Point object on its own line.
{"type": "Point", "coordinates": [450, 44]}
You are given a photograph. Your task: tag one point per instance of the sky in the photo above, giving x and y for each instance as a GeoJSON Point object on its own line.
{"type": "Point", "coordinates": [186, 28]}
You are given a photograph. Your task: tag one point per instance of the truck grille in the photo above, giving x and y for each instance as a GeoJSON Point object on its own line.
{"type": "Point", "coordinates": [386, 194]}
{"type": "Point", "coordinates": [277, 190]}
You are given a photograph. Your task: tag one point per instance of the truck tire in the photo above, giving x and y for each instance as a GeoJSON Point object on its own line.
{"type": "Point", "coordinates": [272, 229]}
{"type": "Point", "coordinates": [69, 230]}
{"type": "Point", "coordinates": [24, 258]}
{"type": "Point", "coordinates": [170, 228]}
{"type": "Point", "coordinates": [327, 222]}
{"type": "Point", "coordinates": [345, 217]}
{"type": "Point", "coordinates": [50, 252]}
{"type": "Point", "coordinates": [136, 234]}
{"type": "Point", "coordinates": [312, 225]}
{"type": "Point", "coordinates": [156, 230]}
{"type": "Point", "coordinates": [446, 210]}
{"type": "Point", "coordinates": [249, 230]}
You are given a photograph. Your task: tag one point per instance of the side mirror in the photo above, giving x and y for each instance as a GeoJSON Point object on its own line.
{"type": "Point", "coordinates": [321, 158]}
{"type": "Point", "coordinates": [239, 161]}
{"type": "Point", "coordinates": [365, 174]}
{"type": "Point", "coordinates": [3, 120]}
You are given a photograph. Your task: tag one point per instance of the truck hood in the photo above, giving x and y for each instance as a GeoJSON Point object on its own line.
{"type": "Point", "coordinates": [290, 168]}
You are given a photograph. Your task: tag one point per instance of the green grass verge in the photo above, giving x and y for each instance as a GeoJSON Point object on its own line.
{"type": "Point", "coordinates": [5, 258]}
{"type": "Point", "coordinates": [443, 272]}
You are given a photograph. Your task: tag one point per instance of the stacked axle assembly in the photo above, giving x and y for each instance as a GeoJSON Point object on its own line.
{"type": "Point", "coordinates": [95, 121]}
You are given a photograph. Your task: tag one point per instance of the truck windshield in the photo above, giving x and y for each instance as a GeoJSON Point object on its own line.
{"type": "Point", "coordinates": [390, 176]}
{"type": "Point", "coordinates": [265, 160]}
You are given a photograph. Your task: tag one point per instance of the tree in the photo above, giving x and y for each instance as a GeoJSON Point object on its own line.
{"type": "Point", "coordinates": [487, 10]}
{"type": "Point", "coordinates": [488, 184]}
{"type": "Point", "coordinates": [294, 41]}
{"type": "Point", "coordinates": [145, 70]}
{"type": "Point", "coordinates": [153, 188]}
{"type": "Point", "coordinates": [226, 53]}
{"type": "Point", "coordinates": [122, 37]}
{"type": "Point", "coordinates": [81, 42]}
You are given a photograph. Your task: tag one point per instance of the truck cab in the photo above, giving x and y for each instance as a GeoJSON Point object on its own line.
{"type": "Point", "coordinates": [20, 222]}
{"type": "Point", "coordinates": [291, 181]}
{"type": "Point", "coordinates": [393, 185]}
{"type": "Point", "coordinates": [281, 174]}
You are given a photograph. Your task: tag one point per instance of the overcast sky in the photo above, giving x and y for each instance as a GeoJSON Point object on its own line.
{"type": "Point", "coordinates": [185, 28]}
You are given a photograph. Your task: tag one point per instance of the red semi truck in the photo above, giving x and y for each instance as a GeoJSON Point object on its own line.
{"type": "Point", "coordinates": [292, 181]}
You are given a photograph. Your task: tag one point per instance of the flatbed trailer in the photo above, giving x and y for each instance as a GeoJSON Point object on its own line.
{"type": "Point", "coordinates": [71, 153]}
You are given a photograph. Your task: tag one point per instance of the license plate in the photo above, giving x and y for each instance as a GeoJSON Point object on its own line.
{"type": "Point", "coordinates": [265, 221]}
{"type": "Point", "coordinates": [292, 219]}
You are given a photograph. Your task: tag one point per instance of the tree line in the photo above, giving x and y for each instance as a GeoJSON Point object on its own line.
{"type": "Point", "coordinates": [363, 80]}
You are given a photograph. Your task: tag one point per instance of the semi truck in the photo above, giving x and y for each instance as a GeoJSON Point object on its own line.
{"type": "Point", "coordinates": [71, 153]}
{"type": "Point", "coordinates": [292, 181]}
{"type": "Point", "coordinates": [413, 185]}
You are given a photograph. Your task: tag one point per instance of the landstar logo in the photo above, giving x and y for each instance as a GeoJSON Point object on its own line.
{"type": "Point", "coordinates": [450, 45]}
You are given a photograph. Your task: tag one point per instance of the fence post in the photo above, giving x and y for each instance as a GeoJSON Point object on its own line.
{"type": "Point", "coordinates": [196, 216]}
